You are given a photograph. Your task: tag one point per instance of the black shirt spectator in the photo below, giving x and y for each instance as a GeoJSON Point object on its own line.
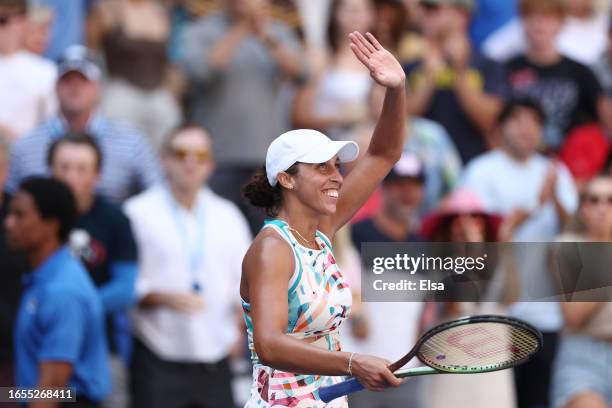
{"type": "Point", "coordinates": [103, 240]}
{"type": "Point", "coordinates": [445, 108]}
{"type": "Point", "coordinates": [567, 91]}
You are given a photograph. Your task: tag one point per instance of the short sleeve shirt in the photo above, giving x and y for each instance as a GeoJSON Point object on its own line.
{"type": "Point", "coordinates": [568, 92]}
{"type": "Point", "coordinates": [60, 318]}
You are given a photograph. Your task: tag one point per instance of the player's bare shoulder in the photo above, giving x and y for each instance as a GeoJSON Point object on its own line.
{"type": "Point", "coordinates": [268, 251]}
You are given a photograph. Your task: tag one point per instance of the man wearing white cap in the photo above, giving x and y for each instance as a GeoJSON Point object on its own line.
{"type": "Point", "coordinates": [293, 294]}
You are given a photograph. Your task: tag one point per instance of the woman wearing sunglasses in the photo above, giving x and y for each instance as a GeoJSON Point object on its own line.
{"type": "Point", "coordinates": [582, 371]}
{"type": "Point", "coordinates": [294, 296]}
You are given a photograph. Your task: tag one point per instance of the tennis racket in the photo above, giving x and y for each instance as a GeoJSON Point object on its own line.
{"type": "Point", "coordinates": [473, 344]}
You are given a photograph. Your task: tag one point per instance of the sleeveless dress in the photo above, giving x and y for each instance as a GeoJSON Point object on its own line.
{"type": "Point", "coordinates": [319, 300]}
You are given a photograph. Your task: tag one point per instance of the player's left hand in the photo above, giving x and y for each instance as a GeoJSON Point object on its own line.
{"type": "Point", "coordinates": [384, 67]}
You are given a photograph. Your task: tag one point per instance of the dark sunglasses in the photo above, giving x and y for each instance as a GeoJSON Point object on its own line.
{"type": "Point", "coordinates": [596, 199]}
{"type": "Point", "coordinates": [201, 156]}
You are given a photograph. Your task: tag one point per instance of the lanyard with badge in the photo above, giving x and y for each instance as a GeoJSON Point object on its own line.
{"type": "Point", "coordinates": [194, 248]}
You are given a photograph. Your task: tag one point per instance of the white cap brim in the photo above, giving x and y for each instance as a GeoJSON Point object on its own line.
{"type": "Point", "coordinates": [305, 146]}
{"type": "Point", "coordinates": [347, 151]}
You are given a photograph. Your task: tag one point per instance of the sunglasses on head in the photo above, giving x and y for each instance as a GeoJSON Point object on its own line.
{"type": "Point", "coordinates": [201, 156]}
{"type": "Point", "coordinates": [596, 199]}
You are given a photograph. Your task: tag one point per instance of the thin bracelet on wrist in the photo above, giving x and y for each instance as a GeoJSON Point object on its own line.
{"type": "Point", "coordinates": [350, 364]}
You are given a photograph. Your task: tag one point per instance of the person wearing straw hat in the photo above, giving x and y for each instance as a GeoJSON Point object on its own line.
{"type": "Point", "coordinates": [293, 294]}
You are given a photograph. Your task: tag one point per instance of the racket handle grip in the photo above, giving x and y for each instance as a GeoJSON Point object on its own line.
{"type": "Point", "coordinates": [338, 390]}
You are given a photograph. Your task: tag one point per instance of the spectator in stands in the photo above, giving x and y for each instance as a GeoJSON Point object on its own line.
{"type": "Point", "coordinates": [13, 265]}
{"type": "Point", "coordinates": [59, 333]}
{"type": "Point", "coordinates": [536, 195]}
{"type": "Point", "coordinates": [582, 372]}
{"type": "Point", "coordinates": [543, 195]}
{"type": "Point", "coordinates": [567, 90]}
{"type": "Point", "coordinates": [186, 322]}
{"type": "Point", "coordinates": [236, 60]}
{"type": "Point", "coordinates": [133, 35]}
{"type": "Point", "coordinates": [453, 84]}
{"type": "Point", "coordinates": [460, 218]}
{"type": "Point", "coordinates": [402, 193]}
{"type": "Point", "coordinates": [426, 139]}
{"type": "Point", "coordinates": [26, 79]}
{"type": "Point", "coordinates": [103, 241]}
{"type": "Point", "coordinates": [433, 146]}
{"type": "Point", "coordinates": [335, 99]}
{"type": "Point", "coordinates": [130, 164]}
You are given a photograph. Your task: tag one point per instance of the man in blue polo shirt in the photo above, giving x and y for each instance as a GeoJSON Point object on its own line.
{"type": "Point", "coordinates": [59, 334]}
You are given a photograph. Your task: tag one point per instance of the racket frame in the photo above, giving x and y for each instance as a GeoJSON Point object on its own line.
{"type": "Point", "coordinates": [511, 321]}
{"type": "Point", "coordinates": [352, 385]}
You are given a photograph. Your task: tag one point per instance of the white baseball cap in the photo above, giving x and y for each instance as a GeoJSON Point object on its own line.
{"type": "Point", "coordinates": [305, 146]}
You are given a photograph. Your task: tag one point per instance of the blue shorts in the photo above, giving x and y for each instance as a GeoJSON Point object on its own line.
{"type": "Point", "coordinates": [582, 364]}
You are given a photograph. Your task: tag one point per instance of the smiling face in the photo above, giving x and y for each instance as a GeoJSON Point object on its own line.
{"type": "Point", "coordinates": [317, 186]}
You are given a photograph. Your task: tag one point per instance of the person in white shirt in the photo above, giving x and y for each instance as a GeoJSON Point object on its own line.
{"type": "Point", "coordinates": [27, 81]}
{"type": "Point", "coordinates": [536, 195]}
{"type": "Point", "coordinates": [518, 182]}
{"type": "Point", "coordinates": [191, 244]}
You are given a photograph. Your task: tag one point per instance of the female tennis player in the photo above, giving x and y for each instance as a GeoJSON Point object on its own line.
{"type": "Point", "coordinates": [294, 296]}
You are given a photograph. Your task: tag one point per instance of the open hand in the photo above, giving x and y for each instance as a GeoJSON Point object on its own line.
{"type": "Point", "coordinates": [384, 67]}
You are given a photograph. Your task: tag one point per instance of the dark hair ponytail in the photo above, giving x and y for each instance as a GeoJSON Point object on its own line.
{"type": "Point", "coordinates": [261, 194]}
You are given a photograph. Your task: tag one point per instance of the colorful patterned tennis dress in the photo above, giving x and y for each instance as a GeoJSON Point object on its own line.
{"type": "Point", "coordinates": [319, 301]}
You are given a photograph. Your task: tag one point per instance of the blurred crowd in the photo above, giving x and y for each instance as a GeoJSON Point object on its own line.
{"type": "Point", "coordinates": [128, 128]}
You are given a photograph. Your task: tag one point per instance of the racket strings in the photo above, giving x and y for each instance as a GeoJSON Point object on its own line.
{"type": "Point", "coordinates": [478, 347]}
